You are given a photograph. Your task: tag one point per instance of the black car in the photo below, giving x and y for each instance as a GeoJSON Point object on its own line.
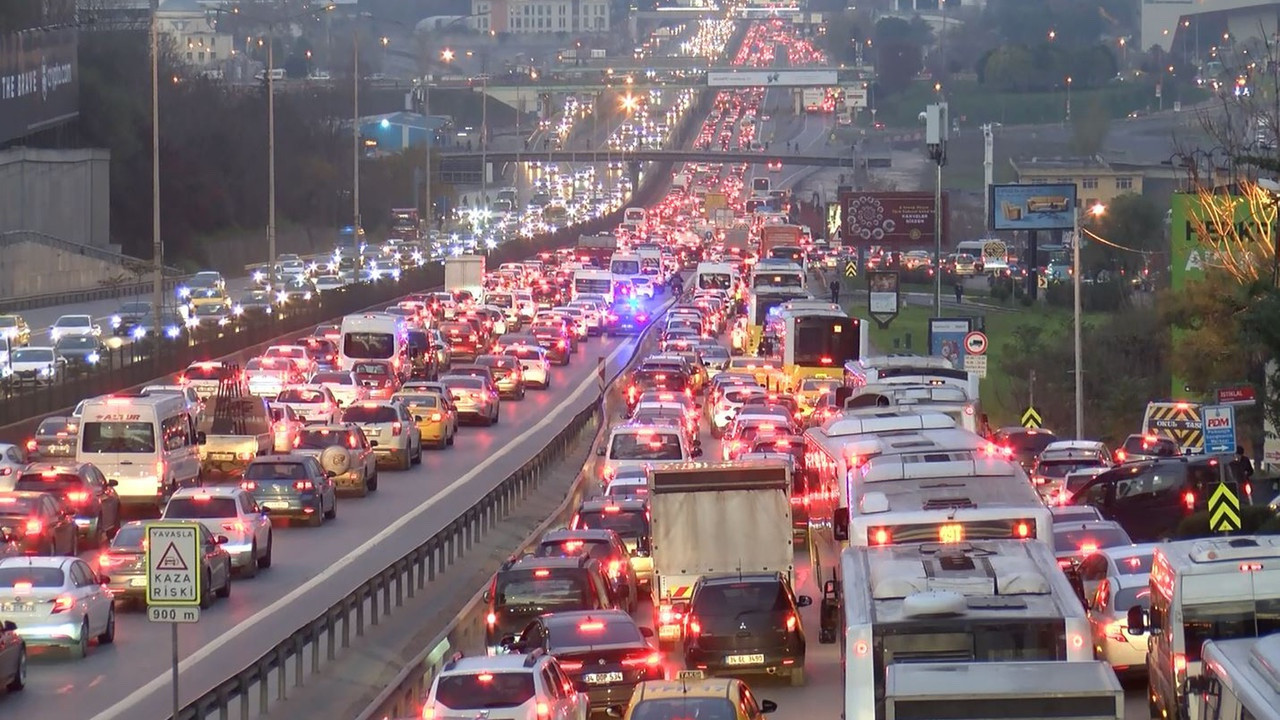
{"type": "Point", "coordinates": [1146, 447]}
{"type": "Point", "coordinates": [254, 305]}
{"type": "Point", "coordinates": [80, 351]}
{"type": "Point", "coordinates": [37, 524]}
{"type": "Point", "coordinates": [171, 327]}
{"type": "Point", "coordinates": [607, 547]}
{"type": "Point", "coordinates": [629, 517]}
{"type": "Point", "coordinates": [1023, 444]}
{"type": "Point", "coordinates": [54, 438]}
{"type": "Point", "coordinates": [625, 319]}
{"type": "Point", "coordinates": [524, 588]}
{"type": "Point", "coordinates": [127, 317]}
{"type": "Point", "coordinates": [604, 652]}
{"type": "Point", "coordinates": [84, 492]}
{"type": "Point", "coordinates": [1149, 498]}
{"type": "Point", "coordinates": [747, 623]}
{"type": "Point", "coordinates": [559, 346]}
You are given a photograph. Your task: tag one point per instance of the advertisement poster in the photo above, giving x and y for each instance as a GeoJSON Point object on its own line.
{"type": "Point", "coordinates": [1033, 207]}
{"type": "Point", "coordinates": [891, 218]}
{"type": "Point", "coordinates": [39, 80]}
{"type": "Point", "coordinates": [946, 339]}
{"type": "Point", "coordinates": [882, 294]}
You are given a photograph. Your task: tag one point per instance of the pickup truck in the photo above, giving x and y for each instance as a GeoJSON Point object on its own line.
{"type": "Point", "coordinates": [233, 433]}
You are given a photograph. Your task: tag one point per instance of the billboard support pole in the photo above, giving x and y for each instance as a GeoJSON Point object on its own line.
{"type": "Point", "coordinates": [1079, 349]}
{"type": "Point", "coordinates": [157, 245]}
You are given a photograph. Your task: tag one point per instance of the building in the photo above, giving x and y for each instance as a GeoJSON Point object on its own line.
{"type": "Point", "coordinates": [541, 16]}
{"type": "Point", "coordinates": [399, 131]}
{"type": "Point", "coordinates": [192, 28]}
{"type": "Point", "coordinates": [1180, 25]}
{"type": "Point", "coordinates": [1096, 180]}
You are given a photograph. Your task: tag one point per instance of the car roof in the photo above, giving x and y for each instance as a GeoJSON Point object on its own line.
{"type": "Point", "coordinates": [1073, 445]}
{"type": "Point", "coordinates": [1078, 525]}
{"type": "Point", "coordinates": [564, 534]}
{"type": "Point", "coordinates": [528, 561]}
{"type": "Point", "coordinates": [68, 465]}
{"type": "Point", "coordinates": [500, 663]}
{"type": "Point", "coordinates": [741, 578]}
{"type": "Point", "coordinates": [693, 688]}
{"type": "Point", "coordinates": [221, 491]}
{"type": "Point", "coordinates": [55, 561]}
{"type": "Point", "coordinates": [264, 459]}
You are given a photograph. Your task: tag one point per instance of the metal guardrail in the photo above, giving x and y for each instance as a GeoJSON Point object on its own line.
{"type": "Point", "coordinates": [372, 600]}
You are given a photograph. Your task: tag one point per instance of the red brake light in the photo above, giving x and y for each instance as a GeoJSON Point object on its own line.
{"type": "Point", "coordinates": [880, 536]}
{"type": "Point", "coordinates": [304, 485]}
{"type": "Point", "coordinates": [591, 626]}
{"type": "Point", "coordinates": [542, 573]}
{"type": "Point", "coordinates": [34, 527]}
{"type": "Point", "coordinates": [792, 622]}
{"type": "Point", "coordinates": [63, 603]}
{"type": "Point", "coordinates": [248, 485]}
{"type": "Point", "coordinates": [544, 710]}
{"type": "Point", "coordinates": [694, 628]}
{"type": "Point", "coordinates": [31, 445]}
{"type": "Point", "coordinates": [1088, 548]}
{"type": "Point", "coordinates": [824, 360]}
{"type": "Point", "coordinates": [78, 496]}
{"type": "Point", "coordinates": [1022, 530]}
{"type": "Point", "coordinates": [396, 428]}
{"type": "Point", "coordinates": [1189, 499]}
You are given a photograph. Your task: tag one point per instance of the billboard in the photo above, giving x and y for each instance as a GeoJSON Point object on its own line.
{"type": "Point", "coordinates": [39, 80]}
{"type": "Point", "coordinates": [889, 218]}
{"type": "Point", "coordinates": [1033, 207]}
{"type": "Point", "coordinates": [946, 339]}
{"type": "Point", "coordinates": [778, 78]}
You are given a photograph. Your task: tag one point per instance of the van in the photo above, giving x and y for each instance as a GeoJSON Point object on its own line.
{"type": "Point", "coordinates": [146, 443]}
{"type": "Point", "coordinates": [644, 445]}
{"type": "Point", "coordinates": [372, 336]}
{"type": "Point", "coordinates": [715, 276]}
{"type": "Point", "coordinates": [992, 253]}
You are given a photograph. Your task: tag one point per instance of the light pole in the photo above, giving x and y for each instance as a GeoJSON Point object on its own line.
{"type": "Point", "coordinates": [355, 132]}
{"type": "Point", "coordinates": [1076, 271]}
{"type": "Point", "coordinates": [936, 127]}
{"type": "Point", "coordinates": [1068, 98]}
{"type": "Point", "coordinates": [157, 245]}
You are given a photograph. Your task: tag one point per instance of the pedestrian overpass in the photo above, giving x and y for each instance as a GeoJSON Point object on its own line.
{"type": "Point", "coordinates": [465, 166]}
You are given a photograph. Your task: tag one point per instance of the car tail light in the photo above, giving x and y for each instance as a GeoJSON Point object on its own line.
{"type": "Point", "coordinates": [793, 622]}
{"type": "Point", "coordinates": [352, 442]}
{"type": "Point", "coordinates": [667, 615]}
{"type": "Point", "coordinates": [562, 344]}
{"type": "Point", "coordinates": [544, 710]}
{"type": "Point", "coordinates": [248, 485]}
{"type": "Point", "coordinates": [652, 659]}
{"type": "Point", "coordinates": [1022, 530]}
{"type": "Point", "coordinates": [105, 560]}
{"type": "Point", "coordinates": [396, 428]}
{"type": "Point", "coordinates": [428, 712]}
{"type": "Point", "coordinates": [694, 628]}
{"type": "Point", "coordinates": [160, 470]}
{"type": "Point", "coordinates": [570, 665]}
{"type": "Point", "coordinates": [235, 526]}
{"type": "Point", "coordinates": [34, 527]}
{"type": "Point", "coordinates": [1189, 499]}
{"type": "Point", "coordinates": [491, 619]}
{"type": "Point", "coordinates": [1121, 455]}
{"type": "Point", "coordinates": [62, 604]}
{"type": "Point", "coordinates": [615, 567]}
{"type": "Point", "coordinates": [305, 485]}
{"type": "Point", "coordinates": [245, 455]}
{"type": "Point", "coordinates": [1115, 631]}
{"type": "Point", "coordinates": [77, 496]}
{"type": "Point", "coordinates": [880, 536]}
{"type": "Point", "coordinates": [1179, 664]}
{"type": "Point", "coordinates": [31, 445]}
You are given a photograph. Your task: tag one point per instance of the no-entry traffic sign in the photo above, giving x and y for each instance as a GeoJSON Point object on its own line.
{"type": "Point", "coordinates": [975, 343]}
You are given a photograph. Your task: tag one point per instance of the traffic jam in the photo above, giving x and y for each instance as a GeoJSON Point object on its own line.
{"type": "Point", "coordinates": [766, 485]}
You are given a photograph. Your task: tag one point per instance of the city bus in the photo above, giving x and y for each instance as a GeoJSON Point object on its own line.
{"type": "Point", "coordinates": [1241, 680]}
{"type": "Point", "coordinates": [817, 341]}
{"type": "Point", "coordinates": [987, 601]}
{"type": "Point", "coordinates": [908, 369]}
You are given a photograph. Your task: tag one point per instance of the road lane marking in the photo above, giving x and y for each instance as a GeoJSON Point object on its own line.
{"type": "Point", "coordinates": [125, 707]}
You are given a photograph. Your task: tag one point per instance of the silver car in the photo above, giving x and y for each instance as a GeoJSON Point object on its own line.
{"type": "Point", "coordinates": [57, 601]}
{"type": "Point", "coordinates": [391, 430]}
{"type": "Point", "coordinates": [475, 397]}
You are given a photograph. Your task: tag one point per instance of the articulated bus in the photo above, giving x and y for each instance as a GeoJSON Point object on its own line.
{"type": "Point", "coordinates": [989, 601]}
{"type": "Point", "coordinates": [909, 369]}
{"type": "Point", "coordinates": [816, 342]}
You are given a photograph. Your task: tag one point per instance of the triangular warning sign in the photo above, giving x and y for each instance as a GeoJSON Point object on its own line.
{"type": "Point", "coordinates": [171, 559]}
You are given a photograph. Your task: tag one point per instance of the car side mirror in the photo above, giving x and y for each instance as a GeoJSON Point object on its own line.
{"type": "Point", "coordinates": [599, 452]}
{"type": "Point", "coordinates": [104, 580]}
{"type": "Point", "coordinates": [220, 540]}
{"type": "Point", "coordinates": [803, 601]}
{"type": "Point", "coordinates": [113, 483]}
{"type": "Point", "coordinates": [646, 631]}
{"type": "Point", "coordinates": [417, 418]}
{"type": "Point", "coordinates": [1137, 620]}
{"type": "Point", "coordinates": [681, 607]}
{"type": "Point", "coordinates": [487, 597]}
{"type": "Point", "coordinates": [201, 437]}
{"type": "Point", "coordinates": [373, 443]}
{"type": "Point", "coordinates": [768, 706]}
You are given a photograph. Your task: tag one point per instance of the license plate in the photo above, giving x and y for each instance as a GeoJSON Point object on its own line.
{"type": "Point", "coordinates": [18, 607]}
{"type": "Point", "coordinates": [222, 456]}
{"type": "Point", "coordinates": [138, 582]}
{"type": "Point", "coordinates": [601, 678]}
{"type": "Point", "coordinates": [276, 505]}
{"type": "Point", "coordinates": [744, 660]}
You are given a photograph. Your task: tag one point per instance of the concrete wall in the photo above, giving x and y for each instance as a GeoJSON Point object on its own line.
{"type": "Point", "coordinates": [31, 267]}
{"type": "Point", "coordinates": [63, 193]}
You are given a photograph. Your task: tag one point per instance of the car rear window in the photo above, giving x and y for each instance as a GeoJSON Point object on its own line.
{"type": "Point", "coordinates": [53, 426]}
{"type": "Point", "coordinates": [1058, 469]}
{"type": "Point", "coordinates": [41, 577]}
{"type": "Point", "coordinates": [591, 631]}
{"type": "Point", "coordinates": [1145, 445]}
{"type": "Point", "coordinates": [736, 597]}
{"type": "Point", "coordinates": [321, 439]}
{"type": "Point", "coordinates": [333, 378]}
{"type": "Point", "coordinates": [201, 509]}
{"type": "Point", "coordinates": [1029, 442]}
{"type": "Point", "coordinates": [598, 549]}
{"type": "Point", "coordinates": [1088, 540]}
{"type": "Point", "coordinates": [52, 482]}
{"type": "Point", "coordinates": [702, 708]}
{"type": "Point", "coordinates": [629, 524]}
{"type": "Point", "coordinates": [301, 395]}
{"type": "Point", "coordinates": [485, 690]}
{"type": "Point", "coordinates": [542, 587]}
{"type": "Point", "coordinates": [371, 369]}
{"type": "Point", "coordinates": [366, 414]}
{"type": "Point", "coordinates": [1136, 565]}
{"type": "Point", "coordinates": [276, 471]}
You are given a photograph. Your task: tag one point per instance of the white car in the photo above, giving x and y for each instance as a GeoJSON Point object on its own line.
{"type": "Point", "coordinates": [534, 364]}
{"type": "Point", "coordinates": [391, 431]}
{"type": "Point", "coordinates": [344, 385]}
{"type": "Point", "coordinates": [58, 601]}
{"type": "Point", "coordinates": [189, 394]}
{"type": "Point", "coordinates": [730, 402]}
{"type": "Point", "coordinates": [266, 377]}
{"type": "Point", "coordinates": [74, 326]}
{"type": "Point", "coordinates": [38, 365]}
{"type": "Point", "coordinates": [297, 354]}
{"type": "Point", "coordinates": [643, 287]}
{"type": "Point", "coordinates": [230, 511]}
{"type": "Point", "coordinates": [4, 350]}
{"type": "Point", "coordinates": [1114, 580]}
{"type": "Point", "coordinates": [504, 687]}
{"type": "Point", "coordinates": [328, 283]}
{"type": "Point", "coordinates": [312, 403]}
{"type": "Point", "coordinates": [13, 459]}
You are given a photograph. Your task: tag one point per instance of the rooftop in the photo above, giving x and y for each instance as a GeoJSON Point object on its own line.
{"type": "Point", "coordinates": [1063, 163]}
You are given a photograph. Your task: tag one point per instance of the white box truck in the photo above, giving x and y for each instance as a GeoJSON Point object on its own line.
{"type": "Point", "coordinates": [715, 519]}
{"type": "Point", "coordinates": [465, 273]}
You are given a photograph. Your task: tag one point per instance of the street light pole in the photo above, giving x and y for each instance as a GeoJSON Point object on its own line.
{"type": "Point", "coordinates": [271, 153]}
{"type": "Point", "coordinates": [1079, 347]}
{"type": "Point", "coordinates": [355, 132]}
{"type": "Point", "coordinates": [157, 245]}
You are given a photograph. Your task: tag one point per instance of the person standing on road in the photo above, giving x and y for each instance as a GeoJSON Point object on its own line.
{"type": "Point", "coordinates": [1242, 468]}
{"type": "Point", "coordinates": [835, 292]}
{"type": "Point", "coordinates": [959, 291]}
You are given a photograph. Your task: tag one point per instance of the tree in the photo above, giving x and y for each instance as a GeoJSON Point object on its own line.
{"type": "Point", "coordinates": [1089, 128]}
{"type": "Point", "coordinates": [1010, 68]}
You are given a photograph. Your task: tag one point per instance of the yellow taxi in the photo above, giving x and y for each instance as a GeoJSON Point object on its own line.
{"type": "Point", "coordinates": [206, 297]}
{"type": "Point", "coordinates": [768, 373]}
{"type": "Point", "coordinates": [810, 390]}
{"type": "Point", "coordinates": [436, 416]}
{"type": "Point", "coordinates": [693, 696]}
{"type": "Point", "coordinates": [14, 329]}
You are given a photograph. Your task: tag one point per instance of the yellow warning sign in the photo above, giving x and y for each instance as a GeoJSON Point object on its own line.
{"type": "Point", "coordinates": [1224, 509]}
{"type": "Point", "coordinates": [1031, 418]}
{"type": "Point", "coordinates": [851, 268]}
{"type": "Point", "coordinates": [1181, 422]}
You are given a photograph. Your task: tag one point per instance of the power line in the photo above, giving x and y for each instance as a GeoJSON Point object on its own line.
{"type": "Point", "coordinates": [1105, 241]}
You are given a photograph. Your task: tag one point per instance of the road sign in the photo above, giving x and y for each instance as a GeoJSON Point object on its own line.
{"type": "Point", "coordinates": [169, 614]}
{"type": "Point", "coordinates": [1219, 428]}
{"type": "Point", "coordinates": [173, 565]}
{"type": "Point", "coordinates": [1042, 282]}
{"type": "Point", "coordinates": [1236, 395]}
{"type": "Point", "coordinates": [976, 364]}
{"type": "Point", "coordinates": [1224, 509]}
{"type": "Point", "coordinates": [1031, 418]}
{"type": "Point", "coordinates": [975, 343]}
{"type": "Point", "coordinates": [850, 268]}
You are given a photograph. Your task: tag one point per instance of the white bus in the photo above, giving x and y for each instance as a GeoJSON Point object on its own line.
{"type": "Point", "coordinates": [634, 216]}
{"type": "Point", "coordinates": [991, 601]}
{"type": "Point", "coordinates": [1210, 589]}
{"type": "Point", "coordinates": [953, 401]}
{"type": "Point", "coordinates": [978, 691]}
{"type": "Point", "coordinates": [1241, 680]}
{"type": "Point", "coordinates": [909, 369]}
{"type": "Point", "coordinates": [372, 336]}
{"type": "Point", "coordinates": [593, 281]}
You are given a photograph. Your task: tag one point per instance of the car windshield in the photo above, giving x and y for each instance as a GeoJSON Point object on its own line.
{"type": "Point", "coordinates": [629, 524]}
{"type": "Point", "coordinates": [77, 343]}
{"type": "Point", "coordinates": [117, 437]}
{"type": "Point", "coordinates": [276, 471]}
{"type": "Point", "coordinates": [365, 414]}
{"type": "Point", "coordinates": [8, 321]}
{"type": "Point", "coordinates": [32, 355]}
{"type": "Point", "coordinates": [1087, 540]}
{"type": "Point", "coordinates": [323, 438]}
{"type": "Point", "coordinates": [485, 690]}
{"type": "Point", "coordinates": [73, 321]}
{"type": "Point", "coordinates": [201, 508]}
{"type": "Point", "coordinates": [691, 708]}
{"type": "Point", "coordinates": [40, 577]}
{"type": "Point", "coordinates": [593, 631]}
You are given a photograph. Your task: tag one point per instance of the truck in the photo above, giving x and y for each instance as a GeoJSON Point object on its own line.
{"type": "Point", "coordinates": [737, 242]}
{"type": "Point", "coordinates": [464, 273]}
{"type": "Point", "coordinates": [693, 508]}
{"type": "Point", "coordinates": [813, 99]}
{"type": "Point", "coordinates": [772, 236]}
{"type": "Point", "coordinates": [1081, 690]}
{"type": "Point", "coordinates": [351, 242]}
{"type": "Point", "coordinates": [1177, 420]}
{"type": "Point", "coordinates": [595, 250]}
{"type": "Point", "coordinates": [236, 429]}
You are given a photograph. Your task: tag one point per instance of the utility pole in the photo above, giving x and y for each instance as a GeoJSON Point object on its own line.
{"type": "Point", "coordinates": [355, 131]}
{"type": "Point", "coordinates": [271, 153]}
{"type": "Point", "coordinates": [988, 171]}
{"type": "Point", "coordinates": [936, 128]}
{"type": "Point", "coordinates": [157, 245]}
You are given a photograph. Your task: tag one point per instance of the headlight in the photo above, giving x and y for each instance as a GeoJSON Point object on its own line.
{"type": "Point", "coordinates": [238, 310]}
{"type": "Point", "coordinates": [281, 297]}
{"type": "Point", "coordinates": [258, 276]}
{"type": "Point", "coordinates": [54, 334]}
{"type": "Point", "coordinates": [173, 332]}
{"type": "Point", "coordinates": [184, 292]}
{"type": "Point", "coordinates": [92, 358]}
{"type": "Point", "coordinates": [307, 296]}
{"type": "Point", "coordinates": [115, 321]}
{"type": "Point", "coordinates": [6, 371]}
{"type": "Point", "coordinates": [139, 333]}
{"type": "Point", "coordinates": [46, 371]}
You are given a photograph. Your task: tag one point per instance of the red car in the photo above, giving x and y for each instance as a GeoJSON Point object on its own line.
{"type": "Point", "coordinates": [378, 377]}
